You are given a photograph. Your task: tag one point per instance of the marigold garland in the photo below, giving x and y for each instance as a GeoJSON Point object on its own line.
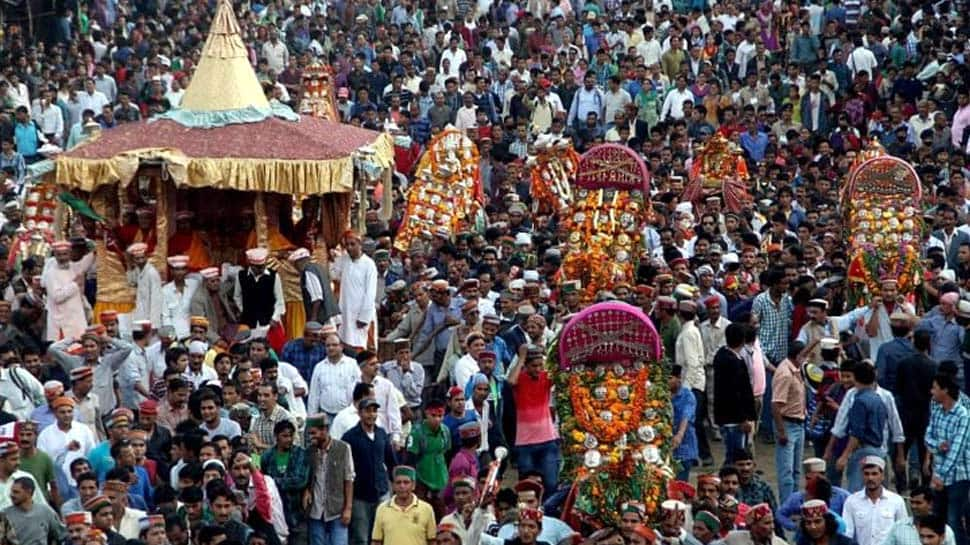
{"type": "Point", "coordinates": [883, 224]}
{"type": "Point", "coordinates": [604, 228]}
{"type": "Point", "coordinates": [449, 197]}
{"type": "Point", "coordinates": [624, 474]}
{"type": "Point", "coordinates": [587, 409]}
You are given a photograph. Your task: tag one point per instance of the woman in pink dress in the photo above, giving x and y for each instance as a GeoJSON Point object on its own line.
{"type": "Point", "coordinates": [465, 462]}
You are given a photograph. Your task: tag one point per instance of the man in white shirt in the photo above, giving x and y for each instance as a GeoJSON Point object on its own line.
{"type": "Point", "coordinates": [67, 439]}
{"type": "Point", "coordinates": [22, 392]}
{"type": "Point", "coordinates": [275, 52]}
{"type": "Point", "coordinates": [17, 92]}
{"type": "Point", "coordinates": [467, 116]}
{"type": "Point", "coordinates": [147, 282]}
{"type": "Point", "coordinates": [501, 51]}
{"type": "Point", "coordinates": [272, 372]}
{"type": "Point", "coordinates": [615, 99]}
{"type": "Point", "coordinates": [175, 93]}
{"type": "Point", "coordinates": [348, 417]}
{"type": "Point", "coordinates": [389, 414]}
{"type": "Point", "coordinates": [9, 472]}
{"type": "Point", "coordinates": [745, 53]}
{"type": "Point", "coordinates": [90, 98]}
{"type": "Point", "coordinates": [357, 274]}
{"type": "Point", "coordinates": [127, 521]}
{"type": "Point", "coordinates": [456, 57]}
{"type": "Point", "coordinates": [919, 122]}
{"type": "Point", "coordinates": [730, 19]}
{"type": "Point", "coordinates": [49, 117]}
{"type": "Point", "coordinates": [105, 83]}
{"type": "Point", "coordinates": [673, 107]}
{"type": "Point", "coordinates": [870, 513]}
{"type": "Point", "coordinates": [333, 380]}
{"type": "Point", "coordinates": [197, 371]}
{"type": "Point", "coordinates": [861, 60]}
{"type": "Point", "coordinates": [689, 354]}
{"type": "Point", "coordinates": [177, 296]}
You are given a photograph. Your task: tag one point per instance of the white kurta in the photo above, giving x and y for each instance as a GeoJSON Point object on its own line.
{"type": "Point", "coordinates": [358, 290]}
{"type": "Point", "coordinates": [54, 441]}
{"type": "Point", "coordinates": [148, 294]}
{"type": "Point", "coordinates": [176, 304]}
{"type": "Point", "coordinates": [65, 298]}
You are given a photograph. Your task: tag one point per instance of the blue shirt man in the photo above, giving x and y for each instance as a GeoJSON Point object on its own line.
{"type": "Point", "coordinates": [754, 142]}
{"type": "Point", "coordinates": [373, 455]}
{"type": "Point", "coordinates": [306, 352]}
{"type": "Point", "coordinates": [26, 135]}
{"type": "Point", "coordinates": [443, 312]}
{"type": "Point", "coordinates": [685, 407]}
{"type": "Point", "coordinates": [890, 354]}
{"type": "Point", "coordinates": [813, 467]}
{"type": "Point", "coordinates": [946, 332]}
{"type": "Point", "coordinates": [867, 418]}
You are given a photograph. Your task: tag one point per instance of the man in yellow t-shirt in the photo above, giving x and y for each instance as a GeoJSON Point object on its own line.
{"type": "Point", "coordinates": [404, 519]}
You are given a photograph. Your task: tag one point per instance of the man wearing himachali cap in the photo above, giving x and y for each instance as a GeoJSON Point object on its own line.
{"type": "Point", "coordinates": [78, 523]}
{"type": "Point", "coordinates": [66, 432]}
{"type": "Point", "coordinates": [760, 522]}
{"type": "Point", "coordinates": [64, 281]}
{"type": "Point", "coordinates": [869, 513]}
{"type": "Point", "coordinates": [147, 282]}
{"type": "Point", "coordinates": [404, 519]}
{"type": "Point", "coordinates": [177, 296]}
{"type": "Point", "coordinates": [259, 291]}
{"type": "Point", "coordinates": [318, 301]}
{"type": "Point", "coordinates": [211, 302]}
{"type": "Point", "coordinates": [9, 472]}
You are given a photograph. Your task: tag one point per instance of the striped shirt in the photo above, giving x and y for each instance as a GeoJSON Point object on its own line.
{"type": "Point", "coordinates": [332, 384]}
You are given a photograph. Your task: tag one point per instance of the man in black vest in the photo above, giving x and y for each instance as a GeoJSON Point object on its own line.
{"type": "Point", "coordinates": [318, 301]}
{"type": "Point", "coordinates": [259, 292]}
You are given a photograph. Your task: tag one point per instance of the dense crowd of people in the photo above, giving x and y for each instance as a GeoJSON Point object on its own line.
{"type": "Point", "coordinates": [380, 421]}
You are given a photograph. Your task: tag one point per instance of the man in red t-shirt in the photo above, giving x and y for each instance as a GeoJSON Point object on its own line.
{"type": "Point", "coordinates": [536, 438]}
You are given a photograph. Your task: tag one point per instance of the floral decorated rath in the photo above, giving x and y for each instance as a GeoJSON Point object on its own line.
{"type": "Point", "coordinates": [554, 169]}
{"type": "Point", "coordinates": [317, 97]}
{"type": "Point", "coordinates": [225, 151]}
{"type": "Point", "coordinates": [883, 222]}
{"type": "Point", "coordinates": [614, 406]}
{"type": "Point", "coordinates": [719, 170]}
{"type": "Point", "coordinates": [447, 192]}
{"type": "Point", "coordinates": [604, 222]}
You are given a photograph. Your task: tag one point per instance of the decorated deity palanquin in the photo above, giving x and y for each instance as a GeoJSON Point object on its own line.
{"type": "Point", "coordinates": [553, 168]}
{"type": "Point", "coordinates": [613, 401]}
{"type": "Point", "coordinates": [719, 169]}
{"type": "Point", "coordinates": [318, 97]}
{"type": "Point", "coordinates": [883, 222]}
{"type": "Point", "coordinates": [446, 193]}
{"type": "Point", "coordinates": [604, 222]}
